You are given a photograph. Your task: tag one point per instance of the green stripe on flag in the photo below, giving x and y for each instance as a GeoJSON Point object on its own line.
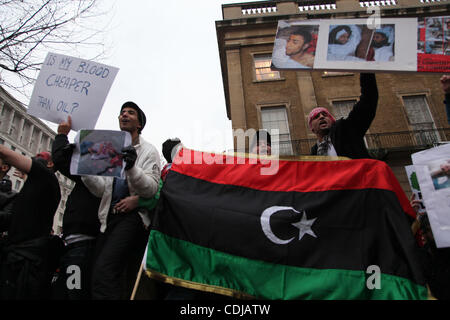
{"type": "Point", "coordinates": [184, 260]}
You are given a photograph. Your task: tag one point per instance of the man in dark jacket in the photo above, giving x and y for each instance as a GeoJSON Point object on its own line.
{"type": "Point", "coordinates": [6, 196]}
{"type": "Point", "coordinates": [26, 264]}
{"type": "Point", "coordinates": [81, 227]}
{"type": "Point", "coordinates": [445, 84]}
{"type": "Point", "coordinates": [345, 137]}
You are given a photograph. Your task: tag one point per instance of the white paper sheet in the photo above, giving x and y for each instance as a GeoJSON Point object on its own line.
{"type": "Point", "coordinates": [433, 173]}
{"type": "Point", "coordinates": [71, 86]}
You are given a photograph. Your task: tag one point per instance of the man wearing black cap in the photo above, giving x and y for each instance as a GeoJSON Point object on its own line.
{"type": "Point", "coordinates": [124, 233]}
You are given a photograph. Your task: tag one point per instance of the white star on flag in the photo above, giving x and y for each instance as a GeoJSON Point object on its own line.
{"type": "Point", "coordinates": [304, 226]}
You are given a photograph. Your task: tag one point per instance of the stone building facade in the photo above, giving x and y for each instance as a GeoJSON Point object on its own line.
{"type": "Point", "coordinates": [410, 115]}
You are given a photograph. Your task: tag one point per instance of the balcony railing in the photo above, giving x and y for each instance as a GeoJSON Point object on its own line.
{"type": "Point", "coordinates": [380, 3]}
{"type": "Point", "coordinates": [380, 143]}
{"type": "Point", "coordinates": [260, 8]}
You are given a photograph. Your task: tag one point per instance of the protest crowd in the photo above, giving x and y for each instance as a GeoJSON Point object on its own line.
{"type": "Point", "coordinates": [107, 220]}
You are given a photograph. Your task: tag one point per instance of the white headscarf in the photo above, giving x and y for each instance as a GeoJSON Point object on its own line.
{"type": "Point", "coordinates": [343, 51]}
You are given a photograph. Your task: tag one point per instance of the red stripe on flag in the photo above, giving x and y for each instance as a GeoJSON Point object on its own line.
{"type": "Point", "coordinates": [298, 176]}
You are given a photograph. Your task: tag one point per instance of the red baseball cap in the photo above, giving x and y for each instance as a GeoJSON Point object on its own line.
{"type": "Point", "coordinates": [44, 155]}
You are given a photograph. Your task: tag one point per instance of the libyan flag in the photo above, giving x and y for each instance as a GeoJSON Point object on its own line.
{"type": "Point", "coordinates": [313, 230]}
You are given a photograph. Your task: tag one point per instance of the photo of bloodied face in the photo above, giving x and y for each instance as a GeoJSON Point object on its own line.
{"type": "Point", "coordinates": [100, 153]}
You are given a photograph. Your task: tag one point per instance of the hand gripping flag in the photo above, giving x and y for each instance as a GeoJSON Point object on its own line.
{"type": "Point", "coordinates": [313, 230]}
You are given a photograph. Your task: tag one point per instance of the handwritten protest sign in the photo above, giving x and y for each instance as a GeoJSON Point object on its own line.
{"type": "Point", "coordinates": [354, 44]}
{"type": "Point", "coordinates": [71, 86]}
{"type": "Point", "coordinates": [98, 153]}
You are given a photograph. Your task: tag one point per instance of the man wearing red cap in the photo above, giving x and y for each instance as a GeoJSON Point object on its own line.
{"type": "Point", "coordinates": [26, 262]}
{"type": "Point", "coordinates": [345, 137]}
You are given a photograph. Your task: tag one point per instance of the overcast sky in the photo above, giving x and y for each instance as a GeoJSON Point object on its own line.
{"type": "Point", "coordinates": [168, 57]}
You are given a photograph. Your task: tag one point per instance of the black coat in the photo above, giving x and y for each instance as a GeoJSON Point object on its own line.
{"type": "Point", "coordinates": [347, 134]}
{"type": "Point", "coordinates": [81, 213]}
{"type": "Point", "coordinates": [7, 196]}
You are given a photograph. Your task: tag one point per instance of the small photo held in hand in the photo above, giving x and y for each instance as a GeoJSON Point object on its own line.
{"type": "Point", "coordinates": [98, 153]}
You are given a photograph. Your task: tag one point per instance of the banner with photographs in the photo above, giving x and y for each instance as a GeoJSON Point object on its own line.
{"type": "Point", "coordinates": [353, 44]}
{"type": "Point", "coordinates": [98, 153]}
{"type": "Point", "coordinates": [433, 53]}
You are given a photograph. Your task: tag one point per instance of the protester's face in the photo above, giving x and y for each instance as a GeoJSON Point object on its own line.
{"type": "Point", "coordinates": [379, 39]}
{"type": "Point", "coordinates": [3, 167]}
{"type": "Point", "coordinates": [262, 148]}
{"type": "Point", "coordinates": [343, 38]}
{"type": "Point", "coordinates": [128, 120]}
{"type": "Point", "coordinates": [321, 123]}
{"type": "Point", "coordinates": [295, 44]}
{"type": "Point", "coordinates": [47, 163]}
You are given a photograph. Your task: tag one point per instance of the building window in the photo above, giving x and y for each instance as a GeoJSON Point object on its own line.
{"type": "Point", "coordinates": [262, 64]}
{"type": "Point", "coordinates": [341, 109]}
{"type": "Point", "coordinates": [12, 129]}
{"type": "Point", "coordinates": [17, 185]}
{"type": "Point", "coordinates": [13, 148]}
{"type": "Point", "coordinates": [22, 132]}
{"type": "Point", "coordinates": [419, 118]}
{"type": "Point", "coordinates": [276, 118]}
{"type": "Point", "coordinates": [2, 141]}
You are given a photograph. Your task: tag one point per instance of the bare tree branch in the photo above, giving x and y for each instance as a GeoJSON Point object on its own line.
{"type": "Point", "coordinates": [29, 28]}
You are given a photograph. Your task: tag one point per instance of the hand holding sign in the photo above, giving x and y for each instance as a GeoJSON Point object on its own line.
{"type": "Point", "coordinates": [65, 126]}
{"type": "Point", "coordinates": [69, 86]}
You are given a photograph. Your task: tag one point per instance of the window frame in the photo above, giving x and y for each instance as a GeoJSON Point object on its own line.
{"type": "Point", "coordinates": [287, 110]}
{"type": "Point", "coordinates": [263, 53]}
{"type": "Point", "coordinates": [424, 136]}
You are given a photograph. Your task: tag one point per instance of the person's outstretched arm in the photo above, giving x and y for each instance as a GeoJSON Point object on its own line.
{"type": "Point", "coordinates": [364, 110]}
{"type": "Point", "coordinates": [15, 159]}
